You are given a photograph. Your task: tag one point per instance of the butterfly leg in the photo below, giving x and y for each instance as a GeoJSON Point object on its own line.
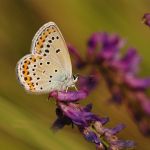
{"type": "Point", "coordinates": [67, 89]}
{"type": "Point", "coordinates": [75, 88]}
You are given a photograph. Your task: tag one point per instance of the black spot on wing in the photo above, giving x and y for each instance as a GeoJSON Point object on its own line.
{"type": "Point", "coordinates": [50, 41]}
{"type": "Point", "coordinates": [58, 50]}
{"type": "Point", "coordinates": [46, 51]}
{"type": "Point", "coordinates": [53, 38]}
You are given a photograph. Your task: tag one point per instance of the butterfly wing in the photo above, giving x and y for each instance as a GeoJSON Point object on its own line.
{"type": "Point", "coordinates": [48, 65]}
{"type": "Point", "coordinates": [49, 39]}
{"type": "Point", "coordinates": [39, 74]}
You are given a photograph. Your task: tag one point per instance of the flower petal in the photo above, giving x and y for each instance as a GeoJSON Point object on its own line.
{"type": "Point", "coordinates": [115, 130]}
{"type": "Point", "coordinates": [69, 96]}
{"type": "Point", "coordinates": [90, 82]}
{"type": "Point", "coordinates": [129, 63]}
{"type": "Point", "coordinates": [137, 83]}
{"type": "Point", "coordinates": [90, 136]}
{"type": "Point", "coordinates": [60, 123]}
{"type": "Point", "coordinates": [74, 113]}
{"type": "Point", "coordinates": [121, 144]}
{"type": "Point", "coordinates": [110, 47]}
{"type": "Point", "coordinates": [88, 107]}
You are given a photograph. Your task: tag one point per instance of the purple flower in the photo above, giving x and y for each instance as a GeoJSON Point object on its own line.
{"type": "Point", "coordinates": [118, 71]}
{"type": "Point", "coordinates": [88, 107]}
{"type": "Point", "coordinates": [121, 144]}
{"type": "Point", "coordinates": [79, 62]}
{"type": "Point", "coordinates": [115, 130]}
{"type": "Point", "coordinates": [110, 48]}
{"type": "Point", "coordinates": [137, 83]}
{"type": "Point", "coordinates": [110, 136]}
{"type": "Point", "coordinates": [61, 122]}
{"type": "Point", "coordinates": [69, 96]}
{"type": "Point", "coordinates": [90, 82]}
{"type": "Point", "coordinates": [146, 19]}
{"type": "Point", "coordinates": [90, 125]}
{"type": "Point", "coordinates": [76, 114]}
{"type": "Point", "coordinates": [128, 64]}
{"type": "Point", "coordinates": [108, 131]}
{"type": "Point", "coordinates": [90, 135]}
{"type": "Point", "coordinates": [80, 115]}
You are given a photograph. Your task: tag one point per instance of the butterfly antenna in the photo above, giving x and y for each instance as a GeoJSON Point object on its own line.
{"type": "Point", "coordinates": [84, 76]}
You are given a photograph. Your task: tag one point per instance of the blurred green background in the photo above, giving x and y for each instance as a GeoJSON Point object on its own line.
{"type": "Point", "coordinates": [25, 119]}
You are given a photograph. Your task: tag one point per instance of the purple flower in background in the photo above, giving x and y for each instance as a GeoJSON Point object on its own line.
{"type": "Point", "coordinates": [137, 83]}
{"type": "Point", "coordinates": [120, 72]}
{"type": "Point", "coordinates": [90, 82]}
{"type": "Point", "coordinates": [69, 112]}
{"type": "Point", "coordinates": [79, 62]}
{"type": "Point", "coordinates": [128, 63]}
{"type": "Point", "coordinates": [109, 46]}
{"type": "Point", "coordinates": [144, 101]}
{"type": "Point", "coordinates": [146, 19]}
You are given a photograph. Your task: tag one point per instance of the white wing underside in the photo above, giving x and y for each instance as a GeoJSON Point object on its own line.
{"type": "Point", "coordinates": [48, 65]}
{"type": "Point", "coordinates": [63, 58]}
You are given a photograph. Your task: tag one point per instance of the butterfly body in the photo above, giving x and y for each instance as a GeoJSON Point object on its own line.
{"type": "Point", "coordinates": [48, 67]}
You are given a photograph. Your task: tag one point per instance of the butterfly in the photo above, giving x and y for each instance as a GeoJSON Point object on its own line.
{"type": "Point", "coordinates": [48, 67]}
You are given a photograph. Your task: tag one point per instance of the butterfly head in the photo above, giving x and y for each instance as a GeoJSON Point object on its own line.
{"type": "Point", "coordinates": [70, 82]}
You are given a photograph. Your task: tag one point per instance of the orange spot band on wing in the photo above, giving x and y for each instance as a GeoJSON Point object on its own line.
{"type": "Point", "coordinates": [27, 77]}
{"type": "Point", "coordinates": [42, 39]}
